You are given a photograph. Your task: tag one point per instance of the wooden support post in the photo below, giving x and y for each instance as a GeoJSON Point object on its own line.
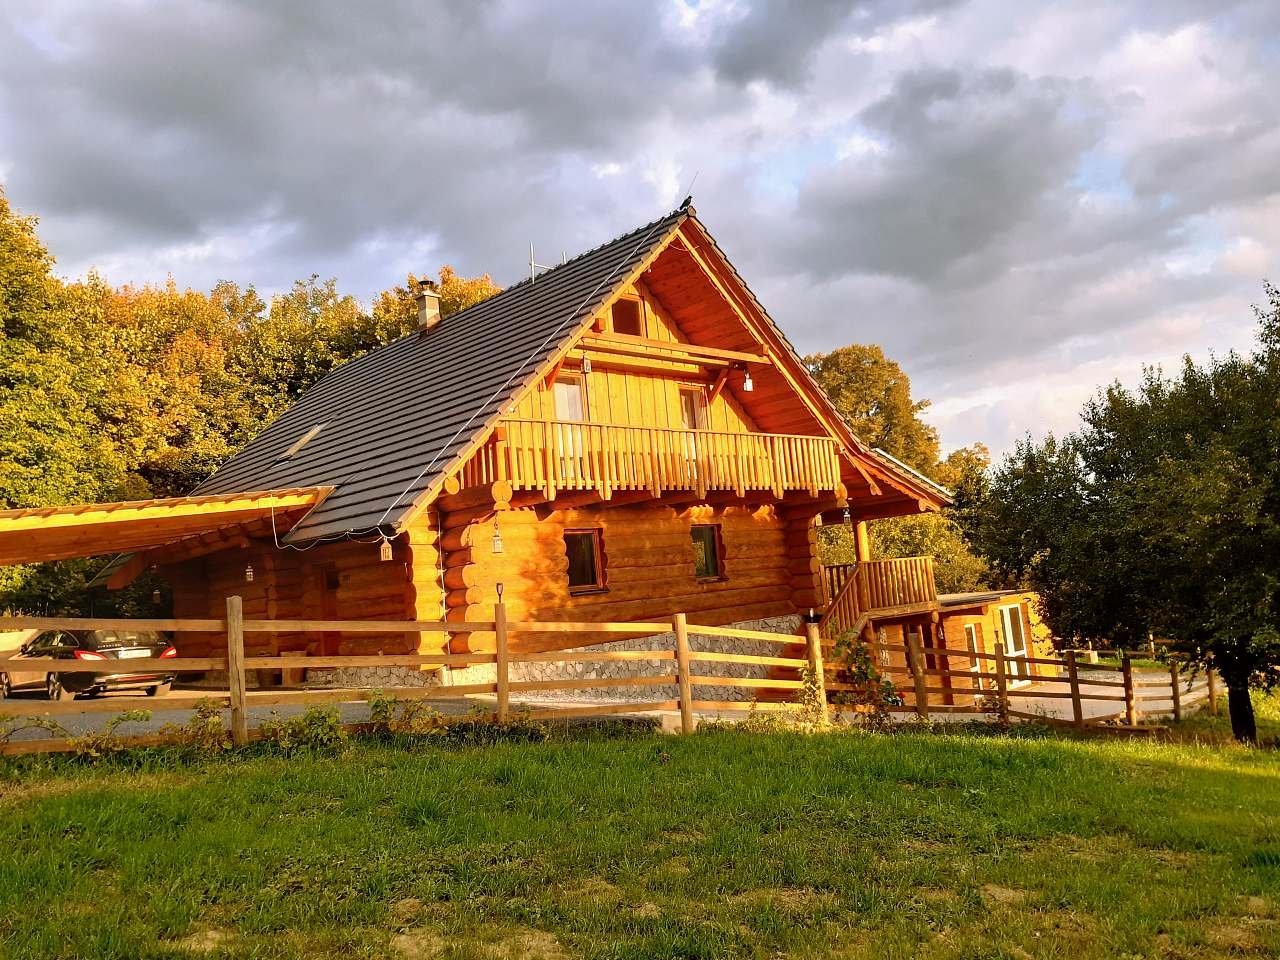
{"type": "Point", "coordinates": [680, 624]}
{"type": "Point", "coordinates": [1130, 694]}
{"type": "Point", "coordinates": [501, 660]}
{"type": "Point", "coordinates": [1213, 691]}
{"type": "Point", "coordinates": [1002, 682]}
{"type": "Point", "coordinates": [1177, 692]}
{"type": "Point", "coordinates": [814, 641]}
{"type": "Point", "coordinates": [235, 671]}
{"type": "Point", "coordinates": [1073, 676]}
{"type": "Point", "coordinates": [917, 674]}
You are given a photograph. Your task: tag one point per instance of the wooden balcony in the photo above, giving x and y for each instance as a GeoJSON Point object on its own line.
{"type": "Point", "coordinates": [555, 456]}
{"type": "Point", "coordinates": [859, 592]}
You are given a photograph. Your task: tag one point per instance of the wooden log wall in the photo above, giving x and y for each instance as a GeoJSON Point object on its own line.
{"type": "Point", "coordinates": [337, 581]}
{"type": "Point", "coordinates": [769, 565]}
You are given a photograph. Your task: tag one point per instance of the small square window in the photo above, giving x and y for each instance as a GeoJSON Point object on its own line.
{"type": "Point", "coordinates": [628, 318]}
{"type": "Point", "coordinates": [708, 551]}
{"type": "Point", "coordinates": [586, 560]}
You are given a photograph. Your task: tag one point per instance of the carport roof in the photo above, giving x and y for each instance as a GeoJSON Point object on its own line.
{"type": "Point", "coordinates": [92, 529]}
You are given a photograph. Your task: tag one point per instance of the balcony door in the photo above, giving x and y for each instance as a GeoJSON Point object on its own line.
{"type": "Point", "coordinates": [693, 416]}
{"type": "Point", "coordinates": [570, 397]}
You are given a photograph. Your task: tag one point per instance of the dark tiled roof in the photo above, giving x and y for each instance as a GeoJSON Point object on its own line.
{"type": "Point", "coordinates": [395, 418]}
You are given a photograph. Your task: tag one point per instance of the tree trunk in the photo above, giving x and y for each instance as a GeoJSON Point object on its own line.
{"type": "Point", "coordinates": [1240, 707]}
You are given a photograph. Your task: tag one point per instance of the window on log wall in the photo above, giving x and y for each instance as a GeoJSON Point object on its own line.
{"type": "Point", "coordinates": [586, 560]}
{"type": "Point", "coordinates": [708, 551]}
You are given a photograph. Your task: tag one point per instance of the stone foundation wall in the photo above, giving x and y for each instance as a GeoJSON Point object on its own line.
{"type": "Point", "coordinates": [626, 669]}
{"type": "Point", "coordinates": [388, 677]}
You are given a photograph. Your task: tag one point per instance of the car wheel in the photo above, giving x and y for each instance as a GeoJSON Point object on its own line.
{"type": "Point", "coordinates": [160, 689]}
{"type": "Point", "coordinates": [54, 689]}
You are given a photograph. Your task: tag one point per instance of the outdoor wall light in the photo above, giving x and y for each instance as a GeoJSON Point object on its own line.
{"type": "Point", "coordinates": [747, 383]}
{"type": "Point", "coordinates": [248, 573]}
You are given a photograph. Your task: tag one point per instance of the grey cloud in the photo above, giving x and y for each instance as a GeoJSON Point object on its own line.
{"type": "Point", "coordinates": [775, 40]}
{"type": "Point", "coordinates": [299, 137]}
{"type": "Point", "coordinates": [967, 158]}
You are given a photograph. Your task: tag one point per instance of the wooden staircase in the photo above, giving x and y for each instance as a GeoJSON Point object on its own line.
{"type": "Point", "coordinates": [860, 594]}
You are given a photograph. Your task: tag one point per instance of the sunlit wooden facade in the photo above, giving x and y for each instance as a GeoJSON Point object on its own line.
{"type": "Point", "coordinates": [671, 453]}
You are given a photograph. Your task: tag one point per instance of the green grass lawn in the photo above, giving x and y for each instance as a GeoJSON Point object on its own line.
{"type": "Point", "coordinates": [724, 844]}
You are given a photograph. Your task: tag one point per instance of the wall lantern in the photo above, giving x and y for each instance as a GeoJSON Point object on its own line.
{"type": "Point", "coordinates": [747, 383]}
{"type": "Point", "coordinates": [384, 549]}
{"type": "Point", "coordinates": [586, 365]}
{"type": "Point", "coordinates": [497, 538]}
{"type": "Point", "coordinates": [248, 573]}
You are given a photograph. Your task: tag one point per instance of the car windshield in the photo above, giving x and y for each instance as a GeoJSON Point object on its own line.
{"type": "Point", "coordinates": [109, 639]}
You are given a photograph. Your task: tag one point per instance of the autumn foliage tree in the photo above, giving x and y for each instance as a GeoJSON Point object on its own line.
{"type": "Point", "coordinates": [874, 395]}
{"type": "Point", "coordinates": [117, 393]}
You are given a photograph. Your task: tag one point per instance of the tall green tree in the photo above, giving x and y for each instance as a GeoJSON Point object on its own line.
{"type": "Point", "coordinates": [1159, 515]}
{"type": "Point", "coordinates": [873, 393]}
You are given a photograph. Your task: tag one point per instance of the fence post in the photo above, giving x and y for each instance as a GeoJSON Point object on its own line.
{"type": "Point", "coordinates": [1002, 682]}
{"type": "Point", "coordinates": [235, 671]}
{"type": "Point", "coordinates": [500, 661]}
{"type": "Point", "coordinates": [680, 624]}
{"type": "Point", "coordinates": [1130, 694]}
{"type": "Point", "coordinates": [1073, 675]}
{"type": "Point", "coordinates": [917, 674]}
{"type": "Point", "coordinates": [1213, 691]}
{"type": "Point", "coordinates": [1177, 693]}
{"type": "Point", "coordinates": [814, 642]}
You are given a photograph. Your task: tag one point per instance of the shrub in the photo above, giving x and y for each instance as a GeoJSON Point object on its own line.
{"type": "Point", "coordinates": [873, 693]}
{"type": "Point", "coordinates": [204, 732]}
{"type": "Point", "coordinates": [391, 715]}
{"type": "Point", "coordinates": [317, 730]}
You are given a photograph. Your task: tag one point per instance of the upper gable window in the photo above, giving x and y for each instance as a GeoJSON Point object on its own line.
{"type": "Point", "coordinates": [628, 317]}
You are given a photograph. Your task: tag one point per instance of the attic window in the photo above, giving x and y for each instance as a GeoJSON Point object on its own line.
{"type": "Point", "coordinates": [628, 318]}
{"type": "Point", "coordinates": [301, 442]}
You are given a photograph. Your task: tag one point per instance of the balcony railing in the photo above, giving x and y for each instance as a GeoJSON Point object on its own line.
{"type": "Point", "coordinates": [554, 456]}
{"type": "Point", "coordinates": [856, 591]}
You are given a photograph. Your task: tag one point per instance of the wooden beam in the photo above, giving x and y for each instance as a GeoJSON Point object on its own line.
{"type": "Point", "coordinates": [718, 385]}
{"type": "Point", "coordinates": [645, 347]}
{"type": "Point", "coordinates": [693, 371]}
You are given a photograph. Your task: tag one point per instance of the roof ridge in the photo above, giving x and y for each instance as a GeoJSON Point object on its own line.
{"type": "Point", "coordinates": [586, 253]}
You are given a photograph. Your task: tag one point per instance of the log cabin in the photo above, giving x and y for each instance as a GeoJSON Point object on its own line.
{"type": "Point", "coordinates": [620, 437]}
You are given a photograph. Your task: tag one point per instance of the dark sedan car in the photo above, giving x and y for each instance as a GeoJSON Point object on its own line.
{"type": "Point", "coordinates": [86, 646]}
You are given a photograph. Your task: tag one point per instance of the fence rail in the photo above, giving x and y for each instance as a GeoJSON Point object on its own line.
{"type": "Point", "coordinates": [997, 691]}
{"type": "Point", "coordinates": [934, 680]}
{"type": "Point", "coordinates": [240, 700]}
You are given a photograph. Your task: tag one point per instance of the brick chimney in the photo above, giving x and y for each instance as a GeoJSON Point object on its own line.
{"type": "Point", "coordinates": [428, 298]}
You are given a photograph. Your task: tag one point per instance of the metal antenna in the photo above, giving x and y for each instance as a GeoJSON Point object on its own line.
{"type": "Point", "coordinates": [534, 266]}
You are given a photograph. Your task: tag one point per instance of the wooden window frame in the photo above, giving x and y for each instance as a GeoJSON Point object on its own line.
{"type": "Point", "coordinates": [601, 584]}
{"type": "Point", "coordinates": [718, 543]}
{"type": "Point", "coordinates": [640, 314]}
{"type": "Point", "coordinates": [580, 381]}
{"type": "Point", "coordinates": [703, 404]}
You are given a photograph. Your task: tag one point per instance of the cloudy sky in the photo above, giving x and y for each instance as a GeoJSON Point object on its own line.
{"type": "Point", "coordinates": [1018, 201]}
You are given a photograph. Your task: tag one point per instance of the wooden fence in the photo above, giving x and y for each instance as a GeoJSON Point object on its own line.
{"type": "Point", "coordinates": [676, 668]}
{"type": "Point", "coordinates": [932, 685]}
{"type": "Point", "coordinates": [983, 686]}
